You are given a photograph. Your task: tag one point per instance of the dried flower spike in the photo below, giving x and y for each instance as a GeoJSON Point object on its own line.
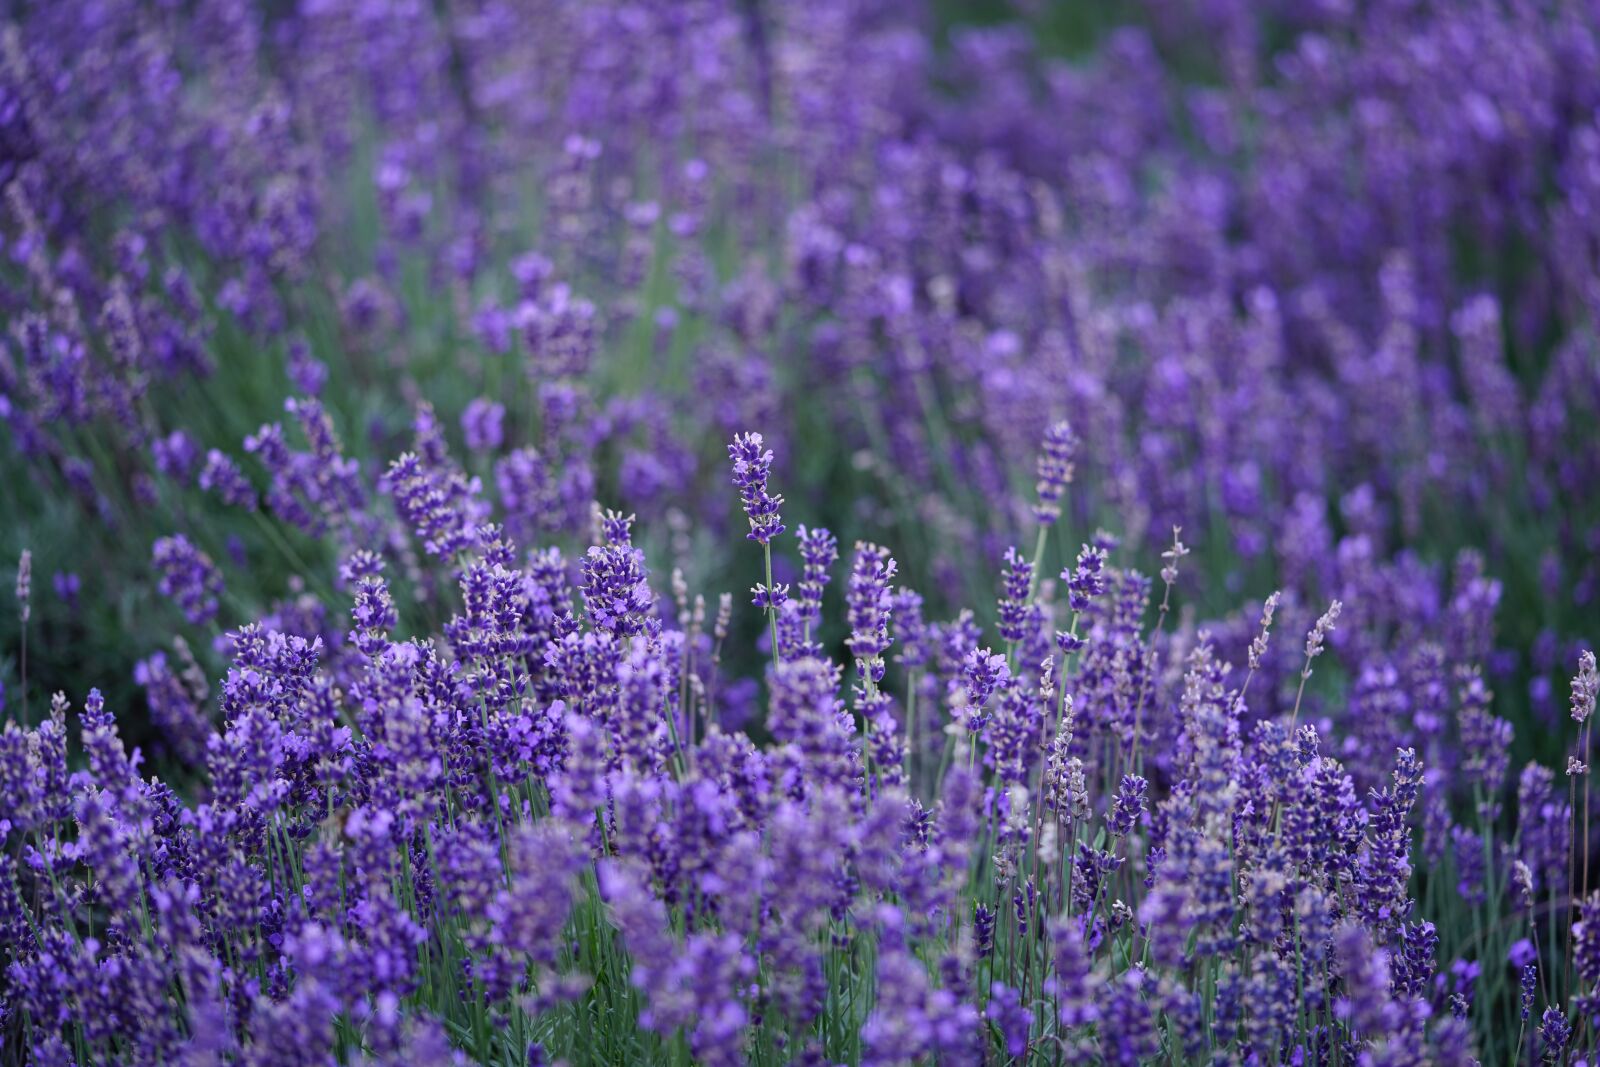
{"type": "Point", "coordinates": [1585, 687]}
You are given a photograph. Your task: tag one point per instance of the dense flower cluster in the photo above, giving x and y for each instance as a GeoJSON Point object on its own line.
{"type": "Point", "coordinates": [487, 838]}
{"type": "Point", "coordinates": [372, 380]}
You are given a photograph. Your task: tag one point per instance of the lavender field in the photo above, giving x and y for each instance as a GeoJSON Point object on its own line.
{"type": "Point", "coordinates": [870, 532]}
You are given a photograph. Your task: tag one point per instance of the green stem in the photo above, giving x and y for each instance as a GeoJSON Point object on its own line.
{"type": "Point", "coordinates": [772, 611]}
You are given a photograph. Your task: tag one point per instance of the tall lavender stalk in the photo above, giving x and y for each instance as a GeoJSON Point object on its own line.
{"type": "Point", "coordinates": [751, 466]}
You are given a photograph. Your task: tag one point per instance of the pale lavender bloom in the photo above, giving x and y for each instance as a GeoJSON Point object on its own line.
{"type": "Point", "coordinates": [25, 584]}
{"type": "Point", "coordinates": [1319, 633]}
{"type": "Point", "coordinates": [1585, 687]}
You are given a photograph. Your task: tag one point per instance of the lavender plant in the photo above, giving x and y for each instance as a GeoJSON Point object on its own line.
{"type": "Point", "coordinates": [531, 834]}
{"type": "Point", "coordinates": [364, 363]}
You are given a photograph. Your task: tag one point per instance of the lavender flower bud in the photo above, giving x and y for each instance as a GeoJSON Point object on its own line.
{"type": "Point", "coordinates": [1586, 939]}
{"type": "Point", "coordinates": [984, 671]}
{"type": "Point", "coordinates": [1072, 982]}
{"type": "Point", "coordinates": [1258, 646]}
{"type": "Point", "coordinates": [869, 603]}
{"type": "Point", "coordinates": [1086, 580]}
{"type": "Point", "coordinates": [1554, 1032]}
{"type": "Point", "coordinates": [1319, 634]}
{"type": "Point", "coordinates": [1056, 455]}
{"type": "Point", "coordinates": [1013, 608]}
{"type": "Point", "coordinates": [1169, 570]}
{"type": "Point", "coordinates": [818, 551]}
{"type": "Point", "coordinates": [983, 918]}
{"type": "Point", "coordinates": [1129, 805]}
{"type": "Point", "coordinates": [188, 577]}
{"type": "Point", "coordinates": [67, 586]}
{"type": "Point", "coordinates": [483, 425]}
{"type": "Point", "coordinates": [751, 465]}
{"type": "Point", "coordinates": [222, 476]}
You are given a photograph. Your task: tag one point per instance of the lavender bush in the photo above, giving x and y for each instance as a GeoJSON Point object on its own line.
{"type": "Point", "coordinates": [1123, 484]}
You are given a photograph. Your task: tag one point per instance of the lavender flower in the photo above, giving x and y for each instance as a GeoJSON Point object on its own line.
{"type": "Point", "coordinates": [869, 602]}
{"type": "Point", "coordinates": [483, 425]}
{"type": "Point", "coordinates": [67, 585]}
{"type": "Point", "coordinates": [189, 577]}
{"type": "Point", "coordinates": [466, 789]}
{"type": "Point", "coordinates": [1014, 1021]}
{"type": "Point", "coordinates": [1016, 592]}
{"type": "Point", "coordinates": [1129, 805]}
{"type": "Point", "coordinates": [1319, 634]}
{"type": "Point", "coordinates": [1086, 580]}
{"type": "Point", "coordinates": [751, 466]}
{"type": "Point", "coordinates": [818, 551]}
{"type": "Point", "coordinates": [1258, 644]}
{"type": "Point", "coordinates": [1554, 1033]}
{"type": "Point", "coordinates": [222, 476]}
{"type": "Point", "coordinates": [1586, 939]}
{"type": "Point", "coordinates": [1585, 687]}
{"type": "Point", "coordinates": [1055, 464]}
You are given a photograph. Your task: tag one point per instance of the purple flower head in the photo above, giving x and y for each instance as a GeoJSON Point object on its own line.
{"type": "Point", "coordinates": [1086, 579]}
{"type": "Point", "coordinates": [1554, 1033]}
{"type": "Point", "coordinates": [1366, 1004]}
{"type": "Point", "coordinates": [819, 549]}
{"type": "Point", "coordinates": [1072, 982]}
{"type": "Point", "coordinates": [912, 1019]}
{"type": "Point", "coordinates": [483, 425]}
{"type": "Point", "coordinates": [175, 701]}
{"type": "Point", "coordinates": [529, 495]}
{"type": "Point", "coordinates": [1129, 805]}
{"type": "Point", "coordinates": [751, 465]}
{"type": "Point", "coordinates": [1127, 1020]}
{"type": "Point", "coordinates": [374, 612]}
{"type": "Point", "coordinates": [1586, 939]}
{"type": "Point", "coordinates": [307, 374]}
{"type": "Point", "coordinates": [616, 589]}
{"type": "Point", "coordinates": [528, 915]}
{"type": "Point", "coordinates": [1014, 730]}
{"type": "Point", "coordinates": [1014, 1021]}
{"type": "Point", "coordinates": [869, 603]}
{"type": "Point", "coordinates": [1056, 456]}
{"type": "Point", "coordinates": [67, 585]}
{"type": "Point", "coordinates": [1485, 740]}
{"type": "Point", "coordinates": [175, 454]}
{"type": "Point", "coordinates": [983, 918]}
{"type": "Point", "coordinates": [1167, 918]}
{"type": "Point", "coordinates": [983, 671]}
{"type": "Point", "coordinates": [438, 504]}
{"type": "Point", "coordinates": [806, 712]}
{"type": "Point", "coordinates": [695, 987]}
{"type": "Point", "coordinates": [188, 577]}
{"type": "Point", "coordinates": [1413, 960]}
{"type": "Point", "coordinates": [222, 476]}
{"type": "Point", "coordinates": [1016, 591]}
